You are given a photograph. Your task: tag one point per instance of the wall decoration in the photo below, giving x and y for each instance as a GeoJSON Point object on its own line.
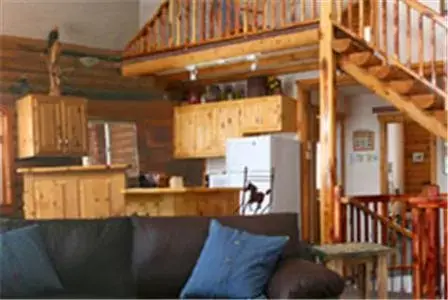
{"type": "Point", "coordinates": [363, 140]}
{"type": "Point", "coordinates": [418, 157]}
{"type": "Point", "coordinates": [445, 158]}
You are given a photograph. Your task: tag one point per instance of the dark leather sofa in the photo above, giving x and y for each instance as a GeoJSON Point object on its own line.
{"type": "Point", "coordinates": [153, 257]}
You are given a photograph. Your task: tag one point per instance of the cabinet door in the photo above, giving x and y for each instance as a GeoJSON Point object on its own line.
{"type": "Point", "coordinates": [205, 131]}
{"type": "Point", "coordinates": [184, 132]}
{"type": "Point", "coordinates": [75, 126]}
{"type": "Point", "coordinates": [48, 199]}
{"type": "Point", "coordinates": [47, 129]}
{"type": "Point", "coordinates": [262, 115]}
{"type": "Point", "coordinates": [227, 126]}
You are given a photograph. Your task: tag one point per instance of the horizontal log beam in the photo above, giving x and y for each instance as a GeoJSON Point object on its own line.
{"type": "Point", "coordinates": [262, 63]}
{"type": "Point", "coordinates": [274, 71]}
{"type": "Point", "coordinates": [73, 79]}
{"type": "Point", "coordinates": [276, 43]}
{"type": "Point", "coordinates": [40, 45]}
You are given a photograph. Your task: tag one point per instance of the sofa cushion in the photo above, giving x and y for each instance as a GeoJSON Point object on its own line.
{"type": "Point", "coordinates": [233, 264]}
{"type": "Point", "coordinates": [25, 268]}
{"type": "Point", "coordinates": [300, 279]}
{"type": "Point", "coordinates": [90, 256]}
{"type": "Point", "coordinates": [166, 249]}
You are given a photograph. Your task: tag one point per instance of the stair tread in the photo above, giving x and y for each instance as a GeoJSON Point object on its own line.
{"type": "Point", "coordinates": [424, 101]}
{"type": "Point", "coordinates": [385, 72]}
{"type": "Point", "coordinates": [408, 87]}
{"type": "Point", "coordinates": [345, 46]}
{"type": "Point", "coordinates": [365, 59]}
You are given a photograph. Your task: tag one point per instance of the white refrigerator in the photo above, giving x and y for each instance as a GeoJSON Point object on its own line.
{"type": "Point", "coordinates": [272, 162]}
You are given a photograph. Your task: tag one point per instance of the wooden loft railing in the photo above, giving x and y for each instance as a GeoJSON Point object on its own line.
{"type": "Point", "coordinates": [401, 32]}
{"type": "Point", "coordinates": [415, 226]}
{"type": "Point", "coordinates": [180, 24]}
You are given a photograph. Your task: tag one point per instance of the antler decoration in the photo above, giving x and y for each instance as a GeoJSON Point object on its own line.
{"type": "Point", "coordinates": [54, 51]}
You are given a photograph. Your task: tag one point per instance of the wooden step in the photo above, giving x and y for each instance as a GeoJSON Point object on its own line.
{"type": "Point", "coordinates": [408, 87]}
{"type": "Point", "coordinates": [385, 72]}
{"type": "Point", "coordinates": [364, 59]}
{"type": "Point", "coordinates": [423, 101]}
{"type": "Point", "coordinates": [345, 46]}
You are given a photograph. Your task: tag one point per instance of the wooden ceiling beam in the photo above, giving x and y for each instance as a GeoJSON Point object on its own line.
{"type": "Point", "coordinates": [274, 71]}
{"type": "Point", "coordinates": [275, 43]}
{"type": "Point", "coordinates": [262, 63]}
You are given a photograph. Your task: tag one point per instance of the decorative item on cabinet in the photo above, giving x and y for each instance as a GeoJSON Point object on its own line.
{"type": "Point", "coordinates": [193, 98]}
{"type": "Point", "coordinates": [257, 86]}
{"type": "Point", "coordinates": [153, 180]}
{"type": "Point", "coordinates": [274, 86]}
{"type": "Point", "coordinates": [229, 93]}
{"type": "Point", "coordinates": [50, 126]}
{"type": "Point", "coordinates": [213, 93]}
{"type": "Point", "coordinates": [239, 93]}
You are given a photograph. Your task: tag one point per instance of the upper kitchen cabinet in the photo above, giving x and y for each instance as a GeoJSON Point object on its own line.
{"type": "Point", "coordinates": [201, 130]}
{"type": "Point", "coordinates": [51, 126]}
{"type": "Point", "coordinates": [268, 115]}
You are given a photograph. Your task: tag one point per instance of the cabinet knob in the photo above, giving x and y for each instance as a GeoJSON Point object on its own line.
{"type": "Point", "coordinates": [60, 141]}
{"type": "Point", "coordinates": [66, 142]}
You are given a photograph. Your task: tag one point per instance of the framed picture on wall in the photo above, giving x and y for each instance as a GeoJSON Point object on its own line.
{"type": "Point", "coordinates": [363, 140]}
{"type": "Point", "coordinates": [445, 158]}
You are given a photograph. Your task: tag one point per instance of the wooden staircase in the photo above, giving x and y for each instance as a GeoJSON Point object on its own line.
{"type": "Point", "coordinates": [398, 50]}
{"type": "Point", "coordinates": [406, 93]}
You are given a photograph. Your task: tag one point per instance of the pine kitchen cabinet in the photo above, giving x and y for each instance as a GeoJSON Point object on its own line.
{"type": "Point", "coordinates": [51, 126]}
{"type": "Point", "coordinates": [73, 192]}
{"type": "Point", "coordinates": [201, 130]}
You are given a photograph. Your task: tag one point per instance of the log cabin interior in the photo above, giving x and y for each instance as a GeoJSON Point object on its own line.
{"type": "Point", "coordinates": [333, 110]}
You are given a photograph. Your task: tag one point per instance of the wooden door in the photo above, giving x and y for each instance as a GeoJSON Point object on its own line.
{"type": "Point", "coordinates": [75, 126]}
{"type": "Point", "coordinates": [48, 126]}
{"type": "Point", "coordinates": [419, 156]}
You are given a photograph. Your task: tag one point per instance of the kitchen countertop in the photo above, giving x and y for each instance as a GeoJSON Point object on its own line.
{"type": "Point", "coordinates": [136, 191]}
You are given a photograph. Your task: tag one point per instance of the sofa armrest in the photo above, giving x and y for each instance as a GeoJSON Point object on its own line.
{"type": "Point", "coordinates": [299, 278]}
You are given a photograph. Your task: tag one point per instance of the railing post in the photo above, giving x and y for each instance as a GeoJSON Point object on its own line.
{"type": "Point", "coordinates": [327, 64]}
{"type": "Point", "coordinates": [416, 253]}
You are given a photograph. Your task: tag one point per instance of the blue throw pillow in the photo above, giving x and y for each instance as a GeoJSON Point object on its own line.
{"type": "Point", "coordinates": [26, 270]}
{"type": "Point", "coordinates": [233, 264]}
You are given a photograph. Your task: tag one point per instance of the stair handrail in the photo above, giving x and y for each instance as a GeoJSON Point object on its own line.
{"type": "Point", "coordinates": [184, 24]}
{"type": "Point", "coordinates": [428, 11]}
{"type": "Point", "coordinates": [144, 28]}
{"type": "Point", "coordinates": [390, 25]}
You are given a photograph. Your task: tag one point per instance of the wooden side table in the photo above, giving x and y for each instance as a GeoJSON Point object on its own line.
{"type": "Point", "coordinates": [338, 256]}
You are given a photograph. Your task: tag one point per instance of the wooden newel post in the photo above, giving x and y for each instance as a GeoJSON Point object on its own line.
{"type": "Point", "coordinates": [327, 105]}
{"type": "Point", "coordinates": [416, 252]}
{"type": "Point", "coordinates": [340, 216]}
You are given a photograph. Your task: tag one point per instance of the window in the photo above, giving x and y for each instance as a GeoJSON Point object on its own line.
{"type": "Point", "coordinates": [113, 143]}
